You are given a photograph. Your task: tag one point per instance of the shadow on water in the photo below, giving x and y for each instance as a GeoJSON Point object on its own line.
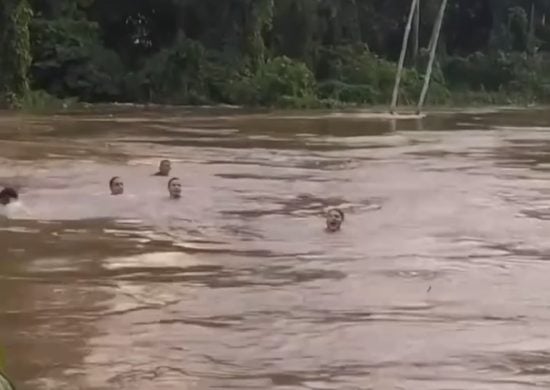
{"type": "Point", "coordinates": [437, 280]}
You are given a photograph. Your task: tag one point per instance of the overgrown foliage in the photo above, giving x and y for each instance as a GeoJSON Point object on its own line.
{"type": "Point", "coordinates": [15, 59]}
{"type": "Point", "coordinates": [267, 52]}
{"type": "Point", "coordinates": [68, 60]}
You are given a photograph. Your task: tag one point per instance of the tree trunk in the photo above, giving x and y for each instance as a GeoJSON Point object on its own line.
{"type": "Point", "coordinates": [15, 61]}
{"type": "Point", "coordinates": [258, 15]}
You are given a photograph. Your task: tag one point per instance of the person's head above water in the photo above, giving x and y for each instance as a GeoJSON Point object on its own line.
{"type": "Point", "coordinates": [174, 188]}
{"type": "Point", "coordinates": [8, 195]}
{"type": "Point", "coordinates": [116, 185]}
{"type": "Point", "coordinates": [164, 168]}
{"type": "Point", "coordinates": [335, 217]}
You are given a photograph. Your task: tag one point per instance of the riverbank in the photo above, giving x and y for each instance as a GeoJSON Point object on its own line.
{"type": "Point", "coordinates": [118, 117]}
{"type": "Point", "coordinates": [381, 111]}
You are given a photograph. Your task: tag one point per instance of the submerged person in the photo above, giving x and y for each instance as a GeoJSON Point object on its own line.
{"type": "Point", "coordinates": [12, 206]}
{"type": "Point", "coordinates": [116, 185]}
{"type": "Point", "coordinates": [164, 168]}
{"type": "Point", "coordinates": [8, 195]}
{"type": "Point", "coordinates": [334, 220]}
{"type": "Point", "coordinates": [174, 188]}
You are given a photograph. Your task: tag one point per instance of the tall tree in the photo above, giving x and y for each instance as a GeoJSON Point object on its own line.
{"type": "Point", "coordinates": [258, 17]}
{"type": "Point", "coordinates": [15, 60]}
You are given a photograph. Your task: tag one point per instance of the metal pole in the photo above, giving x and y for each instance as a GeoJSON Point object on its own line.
{"type": "Point", "coordinates": [402, 57]}
{"type": "Point", "coordinates": [437, 30]}
{"type": "Point", "coordinates": [416, 32]}
{"type": "Point", "coordinates": [531, 39]}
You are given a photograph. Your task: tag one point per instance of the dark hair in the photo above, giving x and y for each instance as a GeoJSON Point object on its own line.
{"type": "Point", "coordinates": [112, 180]}
{"type": "Point", "coordinates": [338, 211]}
{"type": "Point", "coordinates": [171, 180]}
{"type": "Point", "coordinates": [9, 192]}
{"type": "Point", "coordinates": [163, 161]}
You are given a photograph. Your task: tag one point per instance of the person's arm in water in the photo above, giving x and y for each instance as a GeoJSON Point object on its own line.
{"type": "Point", "coordinates": [5, 383]}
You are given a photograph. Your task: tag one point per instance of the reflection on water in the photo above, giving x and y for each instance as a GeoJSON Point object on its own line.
{"type": "Point", "coordinates": [437, 280]}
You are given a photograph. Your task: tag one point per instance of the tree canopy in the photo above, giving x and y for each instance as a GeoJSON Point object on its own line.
{"type": "Point", "coordinates": [297, 52]}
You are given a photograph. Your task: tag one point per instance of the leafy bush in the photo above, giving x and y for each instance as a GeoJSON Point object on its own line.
{"type": "Point", "coordinates": [355, 75]}
{"type": "Point", "coordinates": [507, 73]}
{"type": "Point", "coordinates": [69, 60]}
{"type": "Point", "coordinates": [242, 89]}
{"type": "Point", "coordinates": [282, 77]}
{"type": "Point", "coordinates": [479, 71]}
{"type": "Point", "coordinates": [175, 74]}
{"type": "Point", "coordinates": [276, 82]}
{"type": "Point", "coordinates": [348, 93]}
{"type": "Point", "coordinates": [39, 100]}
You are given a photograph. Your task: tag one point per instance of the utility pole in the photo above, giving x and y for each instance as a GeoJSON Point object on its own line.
{"type": "Point", "coordinates": [434, 40]}
{"type": "Point", "coordinates": [402, 56]}
{"type": "Point", "coordinates": [416, 33]}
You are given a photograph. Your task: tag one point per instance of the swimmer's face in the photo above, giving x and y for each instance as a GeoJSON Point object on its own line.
{"type": "Point", "coordinates": [4, 200]}
{"type": "Point", "coordinates": [164, 168]}
{"type": "Point", "coordinates": [334, 220]}
{"type": "Point", "coordinates": [174, 188]}
{"type": "Point", "coordinates": [117, 187]}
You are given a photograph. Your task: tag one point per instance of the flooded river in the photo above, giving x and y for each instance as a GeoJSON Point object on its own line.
{"type": "Point", "coordinates": [438, 280]}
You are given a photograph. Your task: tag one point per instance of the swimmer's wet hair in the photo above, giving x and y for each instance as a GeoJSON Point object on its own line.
{"type": "Point", "coordinates": [9, 192]}
{"type": "Point", "coordinates": [171, 180]}
{"type": "Point", "coordinates": [112, 180]}
{"type": "Point", "coordinates": [338, 211]}
{"type": "Point", "coordinates": [164, 161]}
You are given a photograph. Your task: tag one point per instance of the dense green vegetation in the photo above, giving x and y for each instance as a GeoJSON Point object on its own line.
{"type": "Point", "coordinates": [298, 53]}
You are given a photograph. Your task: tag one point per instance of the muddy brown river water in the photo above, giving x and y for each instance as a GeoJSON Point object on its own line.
{"type": "Point", "coordinates": [439, 279]}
